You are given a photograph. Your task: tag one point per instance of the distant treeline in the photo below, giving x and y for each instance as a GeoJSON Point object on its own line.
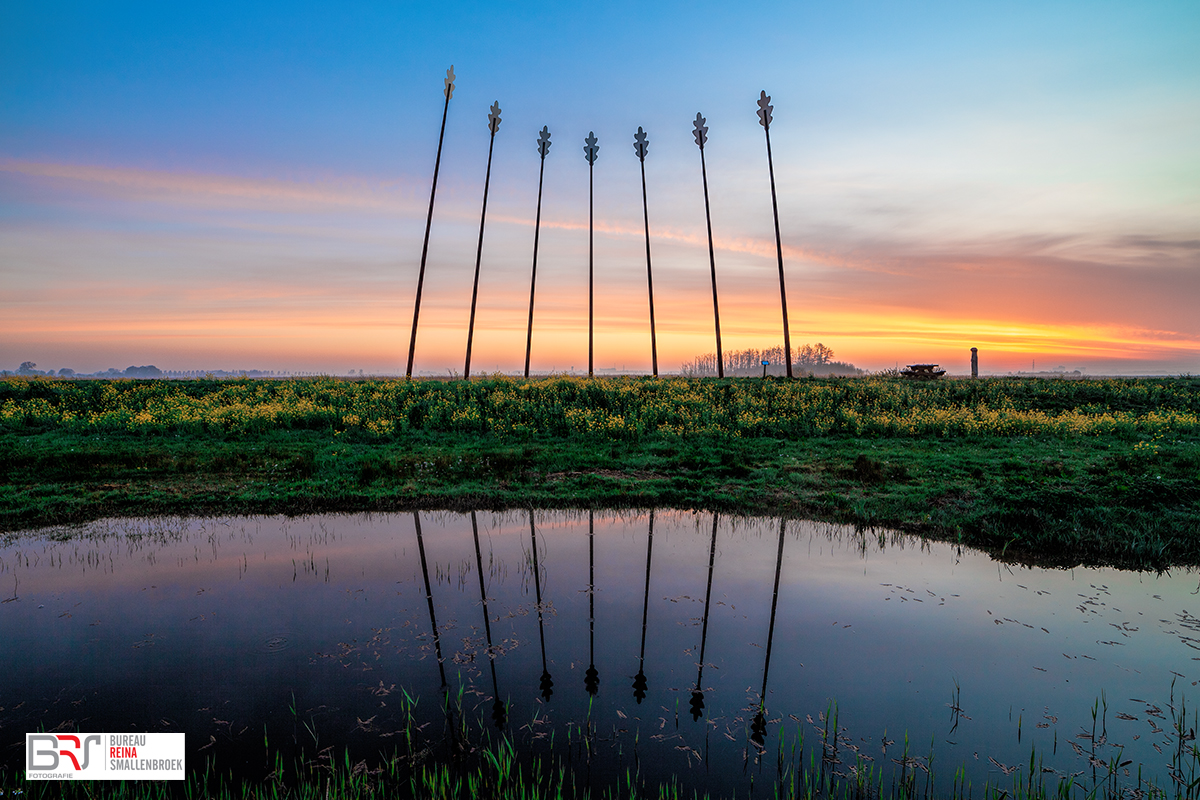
{"type": "Point", "coordinates": [29, 369]}
{"type": "Point", "coordinates": [816, 359]}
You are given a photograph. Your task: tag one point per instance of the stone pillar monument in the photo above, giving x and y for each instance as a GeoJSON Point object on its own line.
{"type": "Point", "coordinates": [974, 362]}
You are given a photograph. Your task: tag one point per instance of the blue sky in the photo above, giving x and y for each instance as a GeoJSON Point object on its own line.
{"type": "Point", "coordinates": [1020, 176]}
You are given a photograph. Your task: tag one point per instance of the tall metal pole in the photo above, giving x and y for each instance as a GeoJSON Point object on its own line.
{"type": "Point", "coordinates": [543, 148]}
{"type": "Point", "coordinates": [412, 341]}
{"type": "Point", "coordinates": [493, 126]}
{"type": "Point", "coordinates": [640, 145]}
{"type": "Point", "coordinates": [590, 150]}
{"type": "Point", "coordinates": [701, 134]}
{"type": "Point", "coordinates": [764, 118]}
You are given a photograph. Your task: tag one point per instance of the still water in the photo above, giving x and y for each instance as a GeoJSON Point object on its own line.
{"type": "Point", "coordinates": [686, 644]}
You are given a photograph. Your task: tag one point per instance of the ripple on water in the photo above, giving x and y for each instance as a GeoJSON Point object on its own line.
{"type": "Point", "coordinates": [276, 643]}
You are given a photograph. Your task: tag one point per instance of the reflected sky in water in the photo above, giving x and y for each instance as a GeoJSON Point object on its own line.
{"type": "Point", "coordinates": [309, 628]}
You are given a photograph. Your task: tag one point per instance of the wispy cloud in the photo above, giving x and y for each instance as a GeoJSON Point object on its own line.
{"type": "Point", "coordinates": [308, 272]}
{"type": "Point", "coordinates": [191, 189]}
{"type": "Point", "coordinates": [197, 188]}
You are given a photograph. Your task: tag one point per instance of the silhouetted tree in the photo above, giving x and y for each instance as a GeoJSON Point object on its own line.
{"type": "Point", "coordinates": [749, 361]}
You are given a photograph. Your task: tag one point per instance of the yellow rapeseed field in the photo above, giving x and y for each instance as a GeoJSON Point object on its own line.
{"type": "Point", "coordinates": [608, 408]}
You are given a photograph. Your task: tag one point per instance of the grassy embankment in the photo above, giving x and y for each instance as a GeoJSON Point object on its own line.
{"type": "Point", "coordinates": [1055, 471]}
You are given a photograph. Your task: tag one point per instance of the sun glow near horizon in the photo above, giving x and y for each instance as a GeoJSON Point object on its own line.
{"type": "Point", "coordinates": [346, 297]}
{"type": "Point", "coordinates": [346, 300]}
{"type": "Point", "coordinates": [935, 192]}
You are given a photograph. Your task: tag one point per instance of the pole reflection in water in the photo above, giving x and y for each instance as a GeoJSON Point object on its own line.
{"type": "Point", "coordinates": [698, 692]}
{"type": "Point", "coordinates": [640, 684]}
{"type": "Point", "coordinates": [591, 678]}
{"type": "Point", "coordinates": [758, 728]}
{"type": "Point", "coordinates": [547, 683]}
{"type": "Point", "coordinates": [437, 639]}
{"type": "Point", "coordinates": [499, 712]}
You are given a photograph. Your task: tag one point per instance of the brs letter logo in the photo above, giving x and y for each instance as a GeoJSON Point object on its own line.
{"type": "Point", "coordinates": [65, 745]}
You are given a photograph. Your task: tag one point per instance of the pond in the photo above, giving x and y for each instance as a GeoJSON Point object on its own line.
{"type": "Point", "coordinates": [683, 646]}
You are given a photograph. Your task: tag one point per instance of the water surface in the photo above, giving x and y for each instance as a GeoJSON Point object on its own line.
{"type": "Point", "coordinates": [686, 645]}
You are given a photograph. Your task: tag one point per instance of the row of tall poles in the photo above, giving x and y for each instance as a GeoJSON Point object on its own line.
{"type": "Point", "coordinates": [758, 725]}
{"type": "Point", "coordinates": [591, 150]}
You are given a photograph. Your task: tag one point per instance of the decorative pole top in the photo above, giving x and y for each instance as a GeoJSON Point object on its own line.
{"type": "Point", "coordinates": [764, 110]}
{"type": "Point", "coordinates": [640, 144]}
{"type": "Point", "coordinates": [701, 132]}
{"type": "Point", "coordinates": [494, 117]}
{"type": "Point", "coordinates": [544, 142]}
{"type": "Point", "coordinates": [591, 148]}
{"type": "Point", "coordinates": [450, 82]}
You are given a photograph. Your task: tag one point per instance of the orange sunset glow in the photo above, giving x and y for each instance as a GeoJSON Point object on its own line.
{"type": "Point", "coordinates": [912, 228]}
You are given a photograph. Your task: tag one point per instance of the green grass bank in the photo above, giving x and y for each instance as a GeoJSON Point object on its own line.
{"type": "Point", "coordinates": [1051, 471]}
{"type": "Point", "coordinates": [464, 760]}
